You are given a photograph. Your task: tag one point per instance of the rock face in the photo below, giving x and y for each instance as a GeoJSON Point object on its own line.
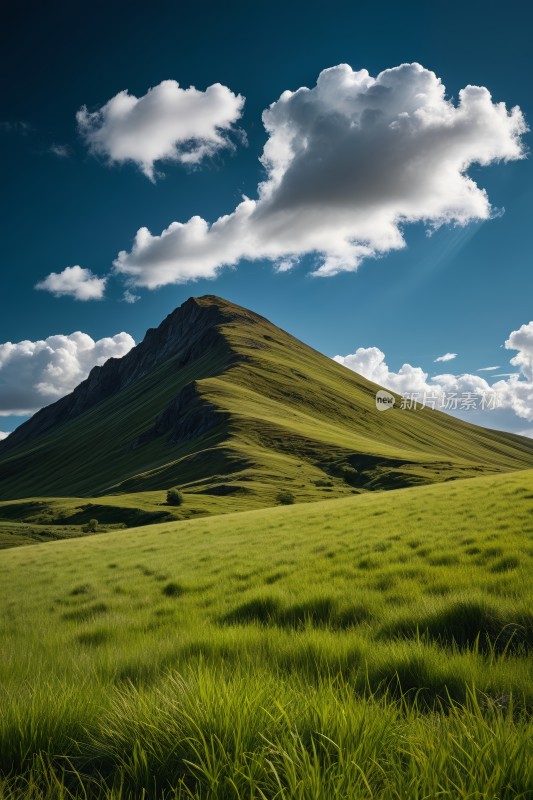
{"type": "Point", "coordinates": [186, 333]}
{"type": "Point", "coordinates": [187, 416]}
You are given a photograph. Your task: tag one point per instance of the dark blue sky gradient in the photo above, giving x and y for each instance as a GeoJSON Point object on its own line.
{"type": "Point", "coordinates": [460, 290]}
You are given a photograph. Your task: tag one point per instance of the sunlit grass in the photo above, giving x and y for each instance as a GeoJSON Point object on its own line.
{"type": "Point", "coordinates": [374, 647]}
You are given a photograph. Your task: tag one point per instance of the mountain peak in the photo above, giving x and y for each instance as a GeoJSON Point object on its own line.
{"type": "Point", "coordinates": [209, 300]}
{"type": "Point", "coordinates": [217, 390]}
{"type": "Point", "coordinates": [185, 334]}
{"type": "Point", "coordinates": [205, 311]}
{"type": "Point", "coordinates": [213, 301]}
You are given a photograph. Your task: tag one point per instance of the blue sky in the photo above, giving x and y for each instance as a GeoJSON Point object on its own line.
{"type": "Point", "coordinates": [463, 290]}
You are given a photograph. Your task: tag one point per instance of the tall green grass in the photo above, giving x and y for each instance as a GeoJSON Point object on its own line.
{"type": "Point", "coordinates": [373, 647]}
{"type": "Point", "coordinates": [215, 733]}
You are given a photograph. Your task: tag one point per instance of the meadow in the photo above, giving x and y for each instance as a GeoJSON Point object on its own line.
{"type": "Point", "coordinates": [375, 646]}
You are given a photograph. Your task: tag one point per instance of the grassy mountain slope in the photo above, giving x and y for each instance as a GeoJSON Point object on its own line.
{"type": "Point", "coordinates": [223, 403]}
{"type": "Point", "coordinates": [261, 654]}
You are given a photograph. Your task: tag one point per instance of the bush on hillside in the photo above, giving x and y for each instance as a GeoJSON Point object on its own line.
{"type": "Point", "coordinates": [174, 497]}
{"type": "Point", "coordinates": [285, 498]}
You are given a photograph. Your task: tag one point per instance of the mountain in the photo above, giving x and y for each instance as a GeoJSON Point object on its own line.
{"type": "Point", "coordinates": [221, 402]}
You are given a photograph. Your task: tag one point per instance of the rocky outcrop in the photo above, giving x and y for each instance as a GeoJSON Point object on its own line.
{"type": "Point", "coordinates": [188, 416]}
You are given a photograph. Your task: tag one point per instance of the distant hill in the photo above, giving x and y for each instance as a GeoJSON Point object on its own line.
{"type": "Point", "coordinates": [220, 401]}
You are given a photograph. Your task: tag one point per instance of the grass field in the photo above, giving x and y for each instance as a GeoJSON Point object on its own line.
{"type": "Point", "coordinates": [377, 646]}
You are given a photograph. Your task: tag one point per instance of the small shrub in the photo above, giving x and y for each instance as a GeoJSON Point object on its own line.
{"type": "Point", "coordinates": [174, 497]}
{"type": "Point", "coordinates": [91, 527]}
{"type": "Point", "coordinates": [285, 498]}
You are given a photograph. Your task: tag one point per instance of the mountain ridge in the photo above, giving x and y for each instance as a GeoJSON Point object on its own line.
{"type": "Point", "coordinates": [108, 378]}
{"type": "Point", "coordinates": [218, 394]}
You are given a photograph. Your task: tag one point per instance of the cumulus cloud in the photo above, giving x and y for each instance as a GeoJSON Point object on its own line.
{"type": "Point", "coordinates": [440, 391]}
{"type": "Point", "coordinates": [522, 341]}
{"type": "Point", "coordinates": [130, 297]}
{"type": "Point", "coordinates": [3, 435]}
{"type": "Point", "coordinates": [167, 124]}
{"type": "Point", "coordinates": [446, 357]}
{"type": "Point", "coordinates": [370, 362]}
{"type": "Point", "coordinates": [348, 163]}
{"type": "Point", "coordinates": [76, 282]}
{"type": "Point", "coordinates": [34, 374]}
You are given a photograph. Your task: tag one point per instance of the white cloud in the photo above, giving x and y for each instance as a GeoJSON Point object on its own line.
{"type": "Point", "coordinates": [3, 435]}
{"type": "Point", "coordinates": [522, 340]}
{"type": "Point", "coordinates": [446, 357]}
{"type": "Point", "coordinates": [514, 394]}
{"type": "Point", "coordinates": [348, 163]}
{"type": "Point", "coordinates": [167, 124]}
{"type": "Point", "coordinates": [488, 369]}
{"type": "Point", "coordinates": [33, 374]}
{"type": "Point", "coordinates": [130, 297]}
{"type": "Point", "coordinates": [370, 362]}
{"type": "Point", "coordinates": [76, 282]}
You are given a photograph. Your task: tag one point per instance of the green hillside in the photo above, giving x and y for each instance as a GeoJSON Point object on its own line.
{"type": "Point", "coordinates": [230, 408]}
{"type": "Point", "coordinates": [377, 646]}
